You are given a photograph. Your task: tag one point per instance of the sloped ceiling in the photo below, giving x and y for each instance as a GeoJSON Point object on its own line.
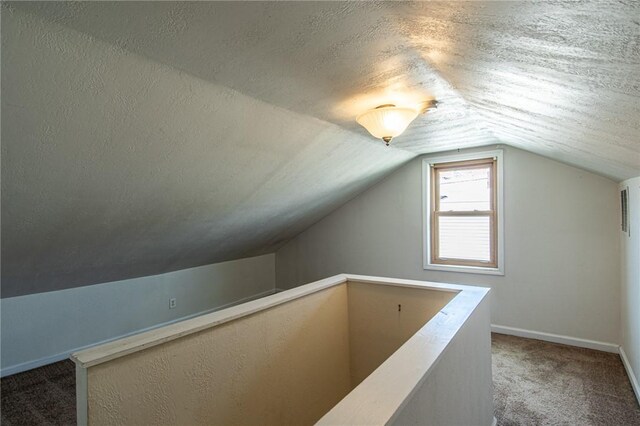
{"type": "Point", "coordinates": [140, 138]}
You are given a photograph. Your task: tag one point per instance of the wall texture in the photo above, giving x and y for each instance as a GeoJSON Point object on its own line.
{"type": "Point", "coordinates": [630, 308]}
{"type": "Point", "coordinates": [285, 359]}
{"type": "Point", "coordinates": [41, 328]}
{"type": "Point", "coordinates": [562, 271]}
{"type": "Point", "coordinates": [286, 365]}
{"type": "Point", "coordinates": [378, 304]}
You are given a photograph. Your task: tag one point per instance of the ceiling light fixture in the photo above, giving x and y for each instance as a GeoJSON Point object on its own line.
{"type": "Point", "coordinates": [388, 121]}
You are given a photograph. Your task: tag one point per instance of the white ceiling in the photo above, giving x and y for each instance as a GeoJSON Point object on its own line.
{"type": "Point", "coordinates": [142, 137]}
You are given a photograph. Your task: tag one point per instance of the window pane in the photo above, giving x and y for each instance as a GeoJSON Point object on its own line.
{"type": "Point", "coordinates": [465, 237]}
{"type": "Point", "coordinates": [465, 189]}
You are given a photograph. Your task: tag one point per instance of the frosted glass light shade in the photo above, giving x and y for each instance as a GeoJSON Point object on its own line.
{"type": "Point", "coordinates": [387, 121]}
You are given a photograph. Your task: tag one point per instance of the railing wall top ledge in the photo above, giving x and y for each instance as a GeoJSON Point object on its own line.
{"type": "Point", "coordinates": [471, 296]}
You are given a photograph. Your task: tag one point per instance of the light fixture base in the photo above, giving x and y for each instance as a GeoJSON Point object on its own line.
{"type": "Point", "coordinates": [427, 105]}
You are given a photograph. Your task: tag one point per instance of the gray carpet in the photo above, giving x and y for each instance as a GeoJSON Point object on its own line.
{"type": "Point", "coordinates": [535, 383]}
{"type": "Point", "coordinates": [42, 396]}
{"type": "Point", "coordinates": [540, 383]}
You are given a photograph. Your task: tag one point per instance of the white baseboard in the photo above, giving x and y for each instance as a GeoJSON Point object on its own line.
{"type": "Point", "coordinates": [557, 338]}
{"type": "Point", "coordinates": [18, 368]}
{"type": "Point", "coordinates": [30, 365]}
{"type": "Point", "coordinates": [632, 376]}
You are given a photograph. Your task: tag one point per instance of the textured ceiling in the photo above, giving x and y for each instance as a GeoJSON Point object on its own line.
{"type": "Point", "coordinates": [142, 137]}
{"type": "Point", "coordinates": [561, 79]}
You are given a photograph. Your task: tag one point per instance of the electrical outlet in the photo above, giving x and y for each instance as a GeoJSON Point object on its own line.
{"type": "Point", "coordinates": [172, 303]}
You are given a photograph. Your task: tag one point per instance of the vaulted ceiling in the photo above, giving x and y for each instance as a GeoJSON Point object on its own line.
{"type": "Point", "coordinates": [145, 137]}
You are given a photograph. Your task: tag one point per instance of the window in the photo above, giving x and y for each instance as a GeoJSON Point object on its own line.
{"type": "Point", "coordinates": [463, 215]}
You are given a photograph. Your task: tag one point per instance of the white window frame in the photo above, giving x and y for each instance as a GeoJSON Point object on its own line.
{"type": "Point", "coordinates": [427, 162]}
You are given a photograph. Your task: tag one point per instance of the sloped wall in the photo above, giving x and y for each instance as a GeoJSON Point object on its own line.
{"type": "Point", "coordinates": [562, 272]}
{"type": "Point", "coordinates": [115, 166]}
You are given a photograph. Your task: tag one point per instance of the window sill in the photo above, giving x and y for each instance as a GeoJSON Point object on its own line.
{"type": "Point", "coordinates": [464, 269]}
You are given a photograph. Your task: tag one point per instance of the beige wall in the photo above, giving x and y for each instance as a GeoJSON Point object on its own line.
{"type": "Point", "coordinates": [562, 272]}
{"type": "Point", "coordinates": [377, 328]}
{"type": "Point", "coordinates": [440, 376]}
{"type": "Point", "coordinates": [254, 370]}
{"type": "Point", "coordinates": [287, 364]}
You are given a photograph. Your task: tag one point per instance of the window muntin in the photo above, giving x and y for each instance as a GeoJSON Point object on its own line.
{"type": "Point", "coordinates": [464, 213]}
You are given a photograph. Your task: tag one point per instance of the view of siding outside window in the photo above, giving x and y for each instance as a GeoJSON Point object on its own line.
{"type": "Point", "coordinates": [465, 237]}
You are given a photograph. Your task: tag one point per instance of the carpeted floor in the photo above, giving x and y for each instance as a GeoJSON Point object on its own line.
{"type": "Point", "coordinates": [540, 383]}
{"type": "Point", "coordinates": [43, 396]}
{"type": "Point", "coordinates": [535, 383]}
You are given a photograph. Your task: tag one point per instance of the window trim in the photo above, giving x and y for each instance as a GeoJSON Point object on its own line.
{"type": "Point", "coordinates": [491, 214]}
{"type": "Point", "coordinates": [427, 193]}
